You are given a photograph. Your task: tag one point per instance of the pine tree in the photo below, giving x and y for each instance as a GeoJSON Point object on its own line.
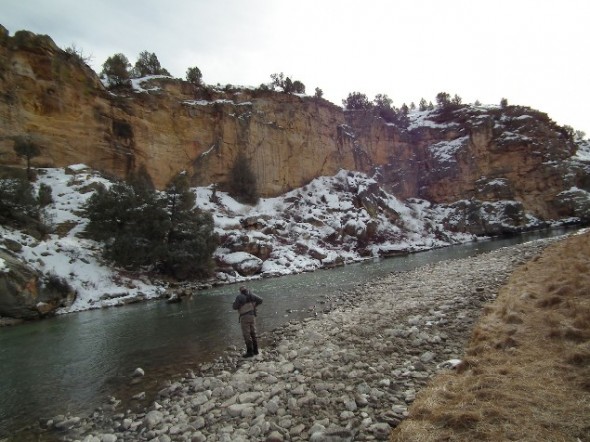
{"type": "Point", "coordinates": [116, 70]}
{"type": "Point", "coordinates": [191, 240]}
{"type": "Point", "coordinates": [18, 205]}
{"type": "Point", "coordinates": [26, 148]}
{"type": "Point", "coordinates": [443, 99]}
{"type": "Point", "coordinates": [383, 106]}
{"type": "Point", "coordinates": [402, 116]}
{"type": "Point", "coordinates": [131, 221]}
{"type": "Point", "coordinates": [356, 101]}
{"type": "Point", "coordinates": [423, 105]}
{"type": "Point", "coordinates": [148, 64]}
{"type": "Point", "coordinates": [194, 76]}
{"type": "Point", "coordinates": [141, 227]}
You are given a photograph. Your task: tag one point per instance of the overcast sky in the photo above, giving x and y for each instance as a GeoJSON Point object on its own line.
{"type": "Point", "coordinates": [532, 52]}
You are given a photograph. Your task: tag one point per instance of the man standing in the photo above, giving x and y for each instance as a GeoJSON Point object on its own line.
{"type": "Point", "coordinates": [245, 304]}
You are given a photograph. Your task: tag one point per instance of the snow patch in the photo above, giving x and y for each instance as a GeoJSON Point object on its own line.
{"type": "Point", "coordinates": [446, 151]}
{"type": "Point", "coordinates": [3, 267]}
{"type": "Point", "coordinates": [138, 83]}
{"type": "Point", "coordinates": [333, 220]}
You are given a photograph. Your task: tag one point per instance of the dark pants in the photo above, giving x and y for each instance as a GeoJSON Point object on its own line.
{"type": "Point", "coordinates": [248, 323]}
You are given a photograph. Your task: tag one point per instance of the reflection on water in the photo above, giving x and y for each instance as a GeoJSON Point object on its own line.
{"type": "Point", "coordinates": [72, 363]}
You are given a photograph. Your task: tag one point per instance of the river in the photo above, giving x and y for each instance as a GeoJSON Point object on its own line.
{"type": "Point", "coordinates": [73, 363]}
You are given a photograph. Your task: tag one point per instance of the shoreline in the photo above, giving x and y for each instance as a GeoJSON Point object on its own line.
{"type": "Point", "coordinates": [179, 290]}
{"type": "Point", "coordinates": [349, 374]}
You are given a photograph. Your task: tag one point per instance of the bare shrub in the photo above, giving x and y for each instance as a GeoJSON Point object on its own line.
{"type": "Point", "coordinates": [513, 318]}
{"type": "Point", "coordinates": [550, 301]}
{"type": "Point", "coordinates": [580, 356]}
{"type": "Point", "coordinates": [459, 421]}
{"type": "Point", "coordinates": [57, 284]}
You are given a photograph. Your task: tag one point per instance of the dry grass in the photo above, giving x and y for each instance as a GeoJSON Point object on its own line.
{"type": "Point", "coordinates": [526, 373]}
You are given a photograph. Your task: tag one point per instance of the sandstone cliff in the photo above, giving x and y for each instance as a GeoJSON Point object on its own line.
{"type": "Point", "coordinates": [167, 125]}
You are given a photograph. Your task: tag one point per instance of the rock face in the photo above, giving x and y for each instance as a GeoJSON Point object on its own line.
{"type": "Point", "coordinates": [167, 125]}
{"type": "Point", "coordinates": [22, 293]}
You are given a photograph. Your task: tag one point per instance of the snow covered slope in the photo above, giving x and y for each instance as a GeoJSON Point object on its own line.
{"type": "Point", "coordinates": [331, 221]}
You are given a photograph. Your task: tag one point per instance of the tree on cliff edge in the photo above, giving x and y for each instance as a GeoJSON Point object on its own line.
{"type": "Point", "coordinates": [148, 64]}
{"type": "Point", "coordinates": [443, 99]}
{"type": "Point", "coordinates": [288, 85]}
{"type": "Point", "coordinates": [356, 101]}
{"type": "Point", "coordinates": [384, 108]}
{"type": "Point", "coordinates": [116, 71]}
{"type": "Point", "coordinates": [194, 76]}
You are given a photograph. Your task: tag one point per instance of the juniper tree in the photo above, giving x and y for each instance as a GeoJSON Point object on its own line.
{"type": "Point", "coordinates": [194, 76]}
{"type": "Point", "coordinates": [383, 106]}
{"type": "Point", "coordinates": [116, 70]}
{"type": "Point", "coordinates": [143, 227]}
{"type": "Point", "coordinates": [288, 85]}
{"type": "Point", "coordinates": [298, 87]}
{"type": "Point", "coordinates": [423, 105]}
{"type": "Point", "coordinates": [356, 101]}
{"type": "Point", "coordinates": [148, 64]}
{"type": "Point", "coordinates": [18, 204]}
{"type": "Point", "coordinates": [131, 222]}
{"type": "Point", "coordinates": [191, 240]}
{"type": "Point", "coordinates": [443, 99]}
{"type": "Point", "coordinates": [26, 148]}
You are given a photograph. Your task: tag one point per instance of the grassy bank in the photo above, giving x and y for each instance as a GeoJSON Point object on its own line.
{"type": "Point", "coordinates": [526, 371]}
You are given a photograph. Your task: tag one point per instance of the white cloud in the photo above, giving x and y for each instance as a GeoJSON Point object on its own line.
{"type": "Point", "coordinates": [529, 51]}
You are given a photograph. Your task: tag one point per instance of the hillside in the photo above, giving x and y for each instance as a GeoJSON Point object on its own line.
{"type": "Point", "coordinates": [332, 221]}
{"type": "Point", "coordinates": [318, 226]}
{"type": "Point", "coordinates": [166, 125]}
{"type": "Point", "coordinates": [337, 185]}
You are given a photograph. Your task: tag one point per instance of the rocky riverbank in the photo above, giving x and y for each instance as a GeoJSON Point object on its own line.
{"type": "Point", "coordinates": [346, 375]}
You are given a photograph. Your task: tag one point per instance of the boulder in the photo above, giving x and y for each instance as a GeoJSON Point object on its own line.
{"type": "Point", "coordinates": [243, 263]}
{"type": "Point", "coordinates": [574, 201]}
{"type": "Point", "coordinates": [25, 293]}
{"type": "Point", "coordinates": [317, 254]}
{"type": "Point", "coordinates": [152, 419]}
{"type": "Point", "coordinates": [257, 222]}
{"type": "Point", "coordinates": [245, 243]}
{"type": "Point", "coordinates": [484, 218]}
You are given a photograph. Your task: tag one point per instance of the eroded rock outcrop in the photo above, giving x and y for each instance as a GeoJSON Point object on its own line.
{"type": "Point", "coordinates": [166, 125]}
{"type": "Point", "coordinates": [24, 294]}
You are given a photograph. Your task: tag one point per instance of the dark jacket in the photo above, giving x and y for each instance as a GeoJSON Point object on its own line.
{"type": "Point", "coordinates": [245, 303]}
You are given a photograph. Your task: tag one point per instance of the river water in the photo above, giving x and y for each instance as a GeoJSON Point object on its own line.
{"type": "Point", "coordinates": [72, 363]}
